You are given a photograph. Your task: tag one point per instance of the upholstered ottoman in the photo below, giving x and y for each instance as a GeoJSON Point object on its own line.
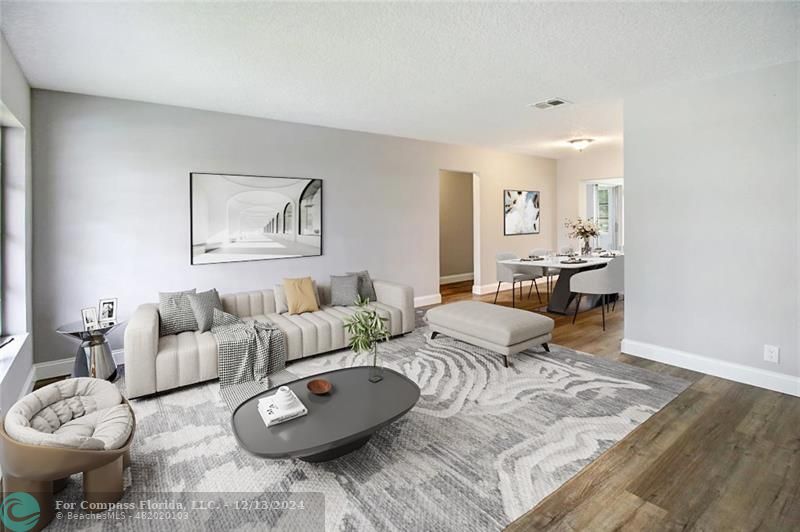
{"type": "Point", "coordinates": [504, 330]}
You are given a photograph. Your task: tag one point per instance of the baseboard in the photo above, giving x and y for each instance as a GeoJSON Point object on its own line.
{"type": "Point", "coordinates": [771, 380]}
{"type": "Point", "coordinates": [59, 368]}
{"type": "Point", "coordinates": [491, 288]}
{"type": "Point", "coordinates": [456, 278]}
{"type": "Point", "coordinates": [50, 369]}
{"type": "Point", "coordinates": [424, 301]}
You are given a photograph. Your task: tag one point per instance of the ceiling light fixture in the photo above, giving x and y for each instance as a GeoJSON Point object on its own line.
{"type": "Point", "coordinates": [580, 144]}
{"type": "Point", "coordinates": [550, 103]}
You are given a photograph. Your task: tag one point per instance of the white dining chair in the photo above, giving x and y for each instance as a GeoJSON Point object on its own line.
{"type": "Point", "coordinates": [603, 282]}
{"type": "Point", "coordinates": [508, 273]}
{"type": "Point", "coordinates": [548, 272]}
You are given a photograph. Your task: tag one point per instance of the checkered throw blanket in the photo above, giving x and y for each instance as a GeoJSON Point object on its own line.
{"type": "Point", "coordinates": [247, 353]}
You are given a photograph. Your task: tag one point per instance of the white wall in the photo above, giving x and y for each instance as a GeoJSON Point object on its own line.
{"type": "Point", "coordinates": [16, 358]}
{"type": "Point", "coordinates": [111, 192]}
{"type": "Point", "coordinates": [712, 222]}
{"type": "Point", "coordinates": [595, 162]}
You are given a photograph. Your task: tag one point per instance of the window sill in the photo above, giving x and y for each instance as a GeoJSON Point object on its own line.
{"type": "Point", "coordinates": [9, 352]}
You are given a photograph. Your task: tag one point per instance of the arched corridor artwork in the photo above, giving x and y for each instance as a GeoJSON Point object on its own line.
{"type": "Point", "coordinates": [241, 218]}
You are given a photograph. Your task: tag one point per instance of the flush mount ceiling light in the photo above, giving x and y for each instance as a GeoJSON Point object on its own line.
{"type": "Point", "coordinates": [580, 144]}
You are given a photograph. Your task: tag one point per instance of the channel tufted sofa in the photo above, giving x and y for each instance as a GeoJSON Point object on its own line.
{"type": "Point", "coordinates": [154, 364]}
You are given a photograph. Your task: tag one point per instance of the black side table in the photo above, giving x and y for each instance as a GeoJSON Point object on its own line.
{"type": "Point", "coordinates": [93, 358]}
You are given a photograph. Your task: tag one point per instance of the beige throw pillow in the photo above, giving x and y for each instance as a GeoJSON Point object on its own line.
{"type": "Point", "coordinates": [300, 295]}
{"type": "Point", "coordinates": [281, 307]}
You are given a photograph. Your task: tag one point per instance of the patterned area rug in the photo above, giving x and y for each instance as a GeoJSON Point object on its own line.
{"type": "Point", "coordinates": [483, 445]}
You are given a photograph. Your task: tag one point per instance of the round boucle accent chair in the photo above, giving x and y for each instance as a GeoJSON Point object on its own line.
{"type": "Point", "coordinates": [71, 426]}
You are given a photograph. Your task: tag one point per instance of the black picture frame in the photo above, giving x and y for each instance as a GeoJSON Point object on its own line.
{"type": "Point", "coordinates": [295, 217]}
{"type": "Point", "coordinates": [538, 196]}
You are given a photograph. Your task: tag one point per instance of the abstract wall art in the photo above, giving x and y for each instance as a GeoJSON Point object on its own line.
{"type": "Point", "coordinates": [237, 218]}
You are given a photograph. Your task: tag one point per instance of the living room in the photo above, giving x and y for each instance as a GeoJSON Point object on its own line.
{"type": "Point", "coordinates": [219, 204]}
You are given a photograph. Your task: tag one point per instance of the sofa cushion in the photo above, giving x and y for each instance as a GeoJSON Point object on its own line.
{"type": "Point", "coordinates": [339, 337]}
{"type": "Point", "coordinates": [203, 305]}
{"type": "Point", "coordinates": [176, 313]}
{"type": "Point", "coordinates": [185, 358]}
{"type": "Point", "coordinates": [395, 315]}
{"type": "Point", "coordinates": [365, 287]}
{"type": "Point", "coordinates": [253, 303]}
{"type": "Point", "coordinates": [344, 289]}
{"type": "Point", "coordinates": [300, 295]}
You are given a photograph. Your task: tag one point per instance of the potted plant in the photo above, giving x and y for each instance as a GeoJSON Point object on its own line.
{"type": "Point", "coordinates": [583, 229]}
{"type": "Point", "coordinates": [366, 329]}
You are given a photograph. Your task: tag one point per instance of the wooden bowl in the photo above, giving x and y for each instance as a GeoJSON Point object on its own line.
{"type": "Point", "coordinates": [319, 386]}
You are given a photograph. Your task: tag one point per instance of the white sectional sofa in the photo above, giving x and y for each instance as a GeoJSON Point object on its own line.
{"type": "Point", "coordinates": [154, 364]}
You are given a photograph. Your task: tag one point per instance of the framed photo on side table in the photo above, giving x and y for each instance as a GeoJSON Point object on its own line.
{"type": "Point", "coordinates": [89, 318]}
{"type": "Point", "coordinates": [108, 311]}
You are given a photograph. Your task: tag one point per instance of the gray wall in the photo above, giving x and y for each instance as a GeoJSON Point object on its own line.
{"type": "Point", "coordinates": [711, 176]}
{"type": "Point", "coordinates": [111, 202]}
{"type": "Point", "coordinates": [455, 223]}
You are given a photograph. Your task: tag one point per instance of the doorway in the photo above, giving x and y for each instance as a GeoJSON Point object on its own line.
{"type": "Point", "coordinates": [457, 248]}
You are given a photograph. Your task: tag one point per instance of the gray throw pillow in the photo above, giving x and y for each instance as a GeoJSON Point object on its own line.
{"type": "Point", "coordinates": [203, 305]}
{"type": "Point", "coordinates": [176, 312]}
{"type": "Point", "coordinates": [344, 290]}
{"type": "Point", "coordinates": [365, 287]}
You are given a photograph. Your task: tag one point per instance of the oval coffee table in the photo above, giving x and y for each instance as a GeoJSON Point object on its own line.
{"type": "Point", "coordinates": [337, 423]}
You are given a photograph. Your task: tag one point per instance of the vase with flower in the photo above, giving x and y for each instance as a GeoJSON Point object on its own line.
{"type": "Point", "coordinates": [584, 230]}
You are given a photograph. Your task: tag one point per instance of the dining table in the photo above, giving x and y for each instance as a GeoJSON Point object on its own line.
{"type": "Point", "coordinates": [561, 297]}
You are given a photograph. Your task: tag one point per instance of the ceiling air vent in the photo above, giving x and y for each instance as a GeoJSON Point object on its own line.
{"type": "Point", "coordinates": [548, 104]}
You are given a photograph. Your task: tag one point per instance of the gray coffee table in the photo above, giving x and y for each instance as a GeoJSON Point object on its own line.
{"type": "Point", "coordinates": [336, 423]}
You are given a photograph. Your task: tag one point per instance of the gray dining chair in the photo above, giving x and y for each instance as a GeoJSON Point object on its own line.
{"type": "Point", "coordinates": [507, 273]}
{"type": "Point", "coordinates": [547, 272]}
{"type": "Point", "coordinates": [603, 282]}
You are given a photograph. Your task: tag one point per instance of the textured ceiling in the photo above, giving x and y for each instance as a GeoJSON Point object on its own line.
{"type": "Point", "coordinates": [459, 73]}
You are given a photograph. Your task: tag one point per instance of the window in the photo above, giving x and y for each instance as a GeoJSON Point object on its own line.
{"type": "Point", "coordinates": [311, 209]}
{"type": "Point", "coordinates": [602, 208]}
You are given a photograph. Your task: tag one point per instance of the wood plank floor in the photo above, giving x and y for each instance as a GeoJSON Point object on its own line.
{"type": "Point", "coordinates": [722, 456]}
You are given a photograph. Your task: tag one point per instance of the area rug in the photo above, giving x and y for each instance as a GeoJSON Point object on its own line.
{"type": "Point", "coordinates": [483, 445]}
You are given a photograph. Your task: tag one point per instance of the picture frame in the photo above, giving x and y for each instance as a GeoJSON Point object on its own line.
{"type": "Point", "coordinates": [107, 311]}
{"type": "Point", "coordinates": [243, 218]}
{"type": "Point", "coordinates": [521, 212]}
{"type": "Point", "coordinates": [89, 318]}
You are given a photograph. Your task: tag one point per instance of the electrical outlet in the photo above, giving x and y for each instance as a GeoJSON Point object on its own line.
{"type": "Point", "coordinates": [772, 353]}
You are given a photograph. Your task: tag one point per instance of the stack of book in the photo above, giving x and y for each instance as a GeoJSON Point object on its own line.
{"type": "Point", "coordinates": [281, 407]}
